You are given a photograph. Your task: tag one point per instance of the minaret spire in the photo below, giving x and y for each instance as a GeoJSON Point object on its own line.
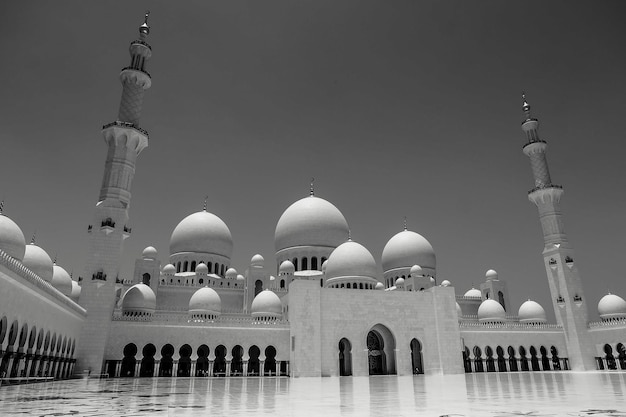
{"type": "Point", "coordinates": [566, 288]}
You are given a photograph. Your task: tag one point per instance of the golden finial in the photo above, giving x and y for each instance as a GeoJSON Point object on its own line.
{"type": "Point", "coordinates": [312, 189]}
{"type": "Point", "coordinates": [405, 223]}
{"type": "Point", "coordinates": [205, 201]}
{"type": "Point", "coordinates": [144, 29]}
{"type": "Point", "coordinates": [349, 235]}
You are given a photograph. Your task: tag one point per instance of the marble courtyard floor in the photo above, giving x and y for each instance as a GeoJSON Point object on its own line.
{"type": "Point", "coordinates": [487, 394]}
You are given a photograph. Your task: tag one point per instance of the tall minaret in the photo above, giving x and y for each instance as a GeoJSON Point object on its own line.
{"type": "Point", "coordinates": [568, 300]}
{"type": "Point", "coordinates": [125, 140]}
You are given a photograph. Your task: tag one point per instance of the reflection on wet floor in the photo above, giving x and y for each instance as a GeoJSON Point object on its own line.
{"type": "Point", "coordinates": [489, 394]}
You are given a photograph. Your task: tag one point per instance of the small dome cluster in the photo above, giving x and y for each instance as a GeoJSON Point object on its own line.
{"type": "Point", "coordinates": [473, 293]}
{"type": "Point", "coordinates": [38, 261]}
{"type": "Point", "coordinates": [11, 238]}
{"type": "Point", "coordinates": [61, 280]}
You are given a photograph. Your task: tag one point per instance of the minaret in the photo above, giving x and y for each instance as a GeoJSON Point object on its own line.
{"type": "Point", "coordinates": [125, 140]}
{"type": "Point", "coordinates": [568, 300]}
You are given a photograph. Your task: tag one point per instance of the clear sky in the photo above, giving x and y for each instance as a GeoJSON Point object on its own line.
{"type": "Point", "coordinates": [399, 108]}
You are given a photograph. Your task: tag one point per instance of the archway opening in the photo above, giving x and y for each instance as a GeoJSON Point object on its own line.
{"type": "Point", "coordinates": [147, 363]}
{"type": "Point", "coordinates": [467, 362]}
{"type": "Point", "coordinates": [416, 357]}
{"type": "Point", "coordinates": [219, 365]}
{"type": "Point", "coordinates": [534, 361]}
{"type": "Point", "coordinates": [610, 359]}
{"type": "Point", "coordinates": [478, 360]}
{"type": "Point", "coordinates": [253, 363]}
{"type": "Point", "coordinates": [167, 362]}
{"type": "Point", "coordinates": [129, 361]}
{"type": "Point", "coordinates": [184, 363]}
{"type": "Point", "coordinates": [501, 361]}
{"type": "Point", "coordinates": [491, 367]}
{"type": "Point", "coordinates": [556, 361]}
{"type": "Point", "coordinates": [523, 361]}
{"type": "Point", "coordinates": [145, 278]}
{"type": "Point", "coordinates": [236, 365]}
{"type": "Point", "coordinates": [345, 357]}
{"type": "Point", "coordinates": [512, 359]}
{"type": "Point", "coordinates": [270, 361]}
{"type": "Point", "coordinates": [545, 361]}
{"type": "Point", "coordinates": [258, 287]}
{"type": "Point", "coordinates": [202, 363]}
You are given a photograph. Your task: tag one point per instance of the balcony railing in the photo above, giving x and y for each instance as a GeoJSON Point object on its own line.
{"type": "Point", "coordinates": [146, 44]}
{"type": "Point", "coordinates": [126, 124]}
{"type": "Point", "coordinates": [136, 69]}
{"type": "Point", "coordinates": [544, 187]}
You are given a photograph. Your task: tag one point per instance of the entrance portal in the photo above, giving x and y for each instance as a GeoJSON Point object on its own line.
{"type": "Point", "coordinates": [416, 357]}
{"type": "Point", "coordinates": [381, 351]}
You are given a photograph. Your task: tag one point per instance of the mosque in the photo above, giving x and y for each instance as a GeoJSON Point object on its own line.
{"type": "Point", "coordinates": [320, 308]}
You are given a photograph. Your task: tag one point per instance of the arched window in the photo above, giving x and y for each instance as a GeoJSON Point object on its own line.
{"type": "Point", "coordinates": [305, 263]}
{"type": "Point", "coordinates": [217, 268]}
{"type": "Point", "coordinates": [416, 357]}
{"type": "Point", "coordinates": [146, 279]}
{"type": "Point", "coordinates": [178, 267]}
{"type": "Point", "coordinates": [193, 266]}
{"type": "Point", "coordinates": [314, 263]}
{"type": "Point", "coordinates": [185, 266]}
{"type": "Point", "coordinates": [222, 270]}
{"type": "Point", "coordinates": [501, 299]}
{"type": "Point", "coordinates": [345, 357]}
{"type": "Point", "coordinates": [258, 287]}
{"type": "Point", "coordinates": [209, 266]}
{"type": "Point", "coordinates": [282, 283]}
{"type": "Point", "coordinates": [294, 261]}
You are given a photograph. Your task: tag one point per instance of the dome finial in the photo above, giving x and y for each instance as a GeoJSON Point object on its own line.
{"type": "Point", "coordinates": [525, 105]}
{"type": "Point", "coordinates": [55, 259]}
{"type": "Point", "coordinates": [32, 239]}
{"type": "Point", "coordinates": [144, 29]}
{"type": "Point", "coordinates": [349, 235]}
{"type": "Point", "coordinates": [312, 189]}
{"type": "Point", "coordinates": [405, 223]}
{"type": "Point", "coordinates": [205, 200]}
{"type": "Point", "coordinates": [2, 206]}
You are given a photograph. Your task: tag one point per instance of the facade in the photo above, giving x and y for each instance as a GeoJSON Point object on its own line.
{"type": "Point", "coordinates": [320, 308]}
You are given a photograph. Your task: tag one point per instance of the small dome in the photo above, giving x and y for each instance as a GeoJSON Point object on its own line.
{"type": "Point", "coordinates": [491, 311]}
{"type": "Point", "coordinates": [459, 312]}
{"type": "Point", "coordinates": [612, 306]}
{"type": "Point", "coordinates": [149, 253]}
{"type": "Point", "coordinates": [400, 282]}
{"type": "Point", "coordinates": [310, 221]}
{"type": "Point", "coordinates": [445, 283]}
{"type": "Point", "coordinates": [76, 289]}
{"type": "Point", "coordinates": [266, 304]}
{"type": "Point", "coordinates": [205, 301]}
{"type": "Point", "coordinates": [240, 277]}
{"type": "Point", "coordinates": [169, 269]}
{"type": "Point", "coordinates": [38, 261]}
{"type": "Point", "coordinates": [257, 260]}
{"type": "Point", "coordinates": [379, 286]}
{"type": "Point", "coordinates": [491, 275]}
{"type": "Point", "coordinates": [432, 281]}
{"type": "Point", "coordinates": [61, 280]}
{"type": "Point", "coordinates": [139, 299]}
{"type": "Point", "coordinates": [286, 267]}
{"type": "Point", "coordinates": [11, 238]}
{"type": "Point", "coordinates": [474, 293]}
{"type": "Point", "coordinates": [351, 259]}
{"type": "Point", "coordinates": [531, 312]}
{"type": "Point", "coordinates": [231, 273]}
{"type": "Point", "coordinates": [406, 249]}
{"type": "Point", "coordinates": [202, 232]}
{"type": "Point", "coordinates": [416, 271]}
{"type": "Point", "coordinates": [202, 269]}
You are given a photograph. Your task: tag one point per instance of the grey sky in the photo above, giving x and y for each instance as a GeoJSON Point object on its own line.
{"type": "Point", "coordinates": [397, 109]}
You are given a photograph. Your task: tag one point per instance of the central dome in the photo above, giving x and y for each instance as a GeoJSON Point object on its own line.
{"type": "Point", "coordinates": [406, 249]}
{"type": "Point", "coordinates": [202, 232]}
{"type": "Point", "coordinates": [311, 221]}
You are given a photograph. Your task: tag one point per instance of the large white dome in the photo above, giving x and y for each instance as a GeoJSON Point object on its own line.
{"type": "Point", "coordinates": [406, 249]}
{"type": "Point", "coordinates": [202, 232]}
{"type": "Point", "coordinates": [351, 259]}
{"type": "Point", "coordinates": [11, 238]}
{"type": "Point", "coordinates": [491, 311]}
{"type": "Point", "coordinates": [61, 280]}
{"type": "Point", "coordinates": [612, 306]}
{"type": "Point", "coordinates": [205, 301]}
{"type": "Point", "coordinates": [311, 221]}
{"type": "Point", "coordinates": [531, 312]}
{"type": "Point", "coordinates": [38, 261]}
{"type": "Point", "coordinates": [139, 299]}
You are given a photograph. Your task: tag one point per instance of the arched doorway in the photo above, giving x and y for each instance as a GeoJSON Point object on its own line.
{"type": "Point", "coordinates": [345, 357]}
{"type": "Point", "coordinates": [129, 361]}
{"type": "Point", "coordinates": [523, 361]}
{"type": "Point", "coordinates": [556, 362]}
{"type": "Point", "coordinates": [610, 359]}
{"type": "Point", "coordinates": [512, 359]}
{"type": "Point", "coordinates": [467, 362]}
{"type": "Point", "coordinates": [258, 287]}
{"type": "Point", "coordinates": [501, 361]}
{"type": "Point", "coordinates": [184, 363]}
{"type": "Point", "coordinates": [416, 357]}
{"type": "Point", "coordinates": [380, 351]}
{"type": "Point", "coordinates": [478, 360]}
{"type": "Point", "coordinates": [490, 362]}
{"type": "Point", "coordinates": [534, 361]}
{"type": "Point", "coordinates": [147, 363]}
{"type": "Point", "coordinates": [202, 364]}
{"type": "Point", "coordinates": [167, 362]}
{"type": "Point", "coordinates": [545, 361]}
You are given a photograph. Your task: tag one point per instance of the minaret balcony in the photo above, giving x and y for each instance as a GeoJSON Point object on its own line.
{"type": "Point", "coordinates": [107, 226]}
{"type": "Point", "coordinates": [134, 136]}
{"type": "Point", "coordinates": [140, 42]}
{"type": "Point", "coordinates": [137, 76]}
{"type": "Point", "coordinates": [530, 142]}
{"type": "Point", "coordinates": [546, 188]}
{"type": "Point", "coordinates": [126, 232]}
{"type": "Point", "coordinates": [126, 124]}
